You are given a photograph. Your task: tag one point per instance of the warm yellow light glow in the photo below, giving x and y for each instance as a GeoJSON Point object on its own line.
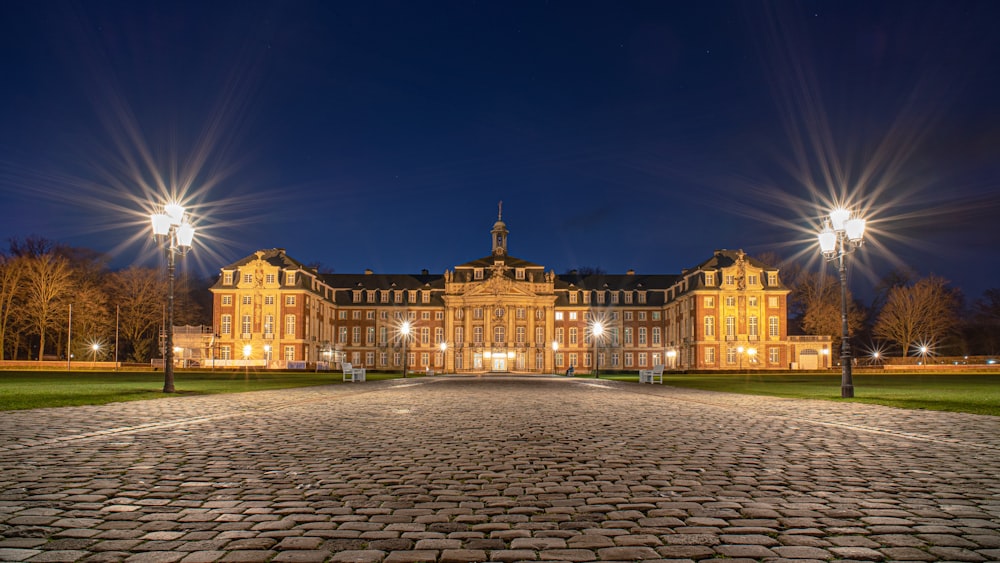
{"type": "Point", "coordinates": [405, 328]}
{"type": "Point", "coordinates": [175, 211]}
{"type": "Point", "coordinates": [247, 350]}
{"type": "Point", "coordinates": [95, 347]}
{"type": "Point", "coordinates": [752, 352]}
{"type": "Point", "coordinates": [555, 345]}
{"type": "Point", "coordinates": [444, 346]}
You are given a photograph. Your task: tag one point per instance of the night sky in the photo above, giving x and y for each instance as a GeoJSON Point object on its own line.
{"type": "Point", "coordinates": [618, 134]}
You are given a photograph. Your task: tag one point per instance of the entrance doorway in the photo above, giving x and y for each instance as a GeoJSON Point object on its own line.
{"type": "Point", "coordinates": [499, 363]}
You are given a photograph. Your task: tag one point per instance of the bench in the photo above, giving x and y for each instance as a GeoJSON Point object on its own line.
{"type": "Point", "coordinates": [352, 373]}
{"type": "Point", "coordinates": [654, 375]}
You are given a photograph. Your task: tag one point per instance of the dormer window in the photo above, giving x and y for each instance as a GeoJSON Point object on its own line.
{"type": "Point", "coordinates": [357, 296]}
{"type": "Point", "coordinates": [227, 278]}
{"type": "Point", "coordinates": [290, 278]}
{"type": "Point", "coordinates": [478, 274]}
{"type": "Point", "coordinates": [572, 297]}
{"type": "Point", "coordinates": [772, 278]}
{"type": "Point", "coordinates": [519, 273]}
{"type": "Point", "coordinates": [709, 278]}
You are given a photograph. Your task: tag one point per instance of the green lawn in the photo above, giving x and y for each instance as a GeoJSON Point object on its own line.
{"type": "Point", "coordinates": [971, 393]}
{"type": "Point", "coordinates": [35, 389]}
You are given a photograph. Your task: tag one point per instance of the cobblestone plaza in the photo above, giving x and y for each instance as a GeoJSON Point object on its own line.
{"type": "Point", "coordinates": [461, 469]}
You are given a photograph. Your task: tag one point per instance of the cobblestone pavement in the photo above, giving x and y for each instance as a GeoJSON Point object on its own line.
{"type": "Point", "coordinates": [454, 470]}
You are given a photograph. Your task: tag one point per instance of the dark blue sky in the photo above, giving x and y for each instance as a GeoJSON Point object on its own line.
{"type": "Point", "coordinates": [618, 134]}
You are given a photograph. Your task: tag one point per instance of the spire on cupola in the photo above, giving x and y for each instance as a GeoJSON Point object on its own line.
{"type": "Point", "coordinates": [499, 233]}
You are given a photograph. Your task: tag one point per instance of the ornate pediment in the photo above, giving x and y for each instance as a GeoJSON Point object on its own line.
{"type": "Point", "coordinates": [499, 285]}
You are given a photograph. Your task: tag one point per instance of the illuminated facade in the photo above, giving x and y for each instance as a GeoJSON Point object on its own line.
{"type": "Point", "coordinates": [504, 314]}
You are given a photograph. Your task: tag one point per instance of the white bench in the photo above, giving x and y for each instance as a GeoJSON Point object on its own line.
{"type": "Point", "coordinates": [352, 373]}
{"type": "Point", "coordinates": [654, 375]}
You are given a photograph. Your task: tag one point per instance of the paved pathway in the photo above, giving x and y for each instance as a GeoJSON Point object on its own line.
{"type": "Point", "coordinates": [496, 469]}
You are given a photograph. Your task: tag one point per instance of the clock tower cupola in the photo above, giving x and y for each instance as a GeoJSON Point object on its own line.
{"type": "Point", "coordinates": [499, 233]}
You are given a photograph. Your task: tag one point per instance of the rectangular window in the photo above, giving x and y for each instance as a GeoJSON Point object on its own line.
{"type": "Point", "coordinates": [425, 335]}
{"type": "Point", "coordinates": [628, 315]}
{"type": "Point", "coordinates": [752, 301]}
{"type": "Point", "coordinates": [383, 359]}
{"type": "Point", "coordinates": [730, 355]}
{"type": "Point", "coordinates": [342, 315]}
{"type": "Point", "coordinates": [520, 313]}
{"type": "Point", "coordinates": [539, 335]}
{"type": "Point", "coordinates": [642, 359]}
{"type": "Point", "coordinates": [289, 353]}
{"type": "Point", "coordinates": [269, 300]}
{"type": "Point", "coordinates": [642, 315]}
{"type": "Point", "coordinates": [730, 301]}
{"type": "Point", "coordinates": [709, 278]}
{"type": "Point", "coordinates": [773, 328]}
{"type": "Point", "coordinates": [477, 335]}
{"type": "Point", "coordinates": [498, 334]}
{"type": "Point", "coordinates": [559, 335]}
{"type": "Point", "coordinates": [370, 336]}
{"type": "Point", "coordinates": [438, 335]}
{"type": "Point", "coordinates": [247, 278]}
{"type": "Point", "coordinates": [227, 278]}
{"type": "Point", "coordinates": [384, 296]}
{"type": "Point", "coordinates": [656, 336]}
{"type": "Point", "coordinates": [459, 335]}
{"type": "Point", "coordinates": [572, 359]}
{"type": "Point", "coordinates": [730, 280]}
{"type": "Point", "coordinates": [477, 313]}
{"type": "Point", "coordinates": [356, 336]}
{"type": "Point", "coordinates": [773, 355]}
{"type": "Point", "coordinates": [572, 335]}
{"type": "Point", "coordinates": [370, 297]}
{"type": "Point", "coordinates": [730, 327]}
{"type": "Point", "coordinates": [710, 302]}
{"type": "Point", "coordinates": [478, 274]}
{"type": "Point", "coordinates": [227, 324]}
{"type": "Point", "coordinates": [225, 353]}
{"type": "Point", "coordinates": [572, 315]}
{"type": "Point", "coordinates": [383, 315]}
{"type": "Point", "coordinates": [772, 302]}
{"type": "Point", "coordinates": [628, 336]}
{"type": "Point", "coordinates": [642, 336]}
{"type": "Point", "coordinates": [709, 327]}
{"type": "Point", "coordinates": [290, 278]}
{"type": "Point", "coordinates": [572, 297]}
{"type": "Point", "coordinates": [356, 315]}
{"type": "Point", "coordinates": [398, 296]}
{"type": "Point", "coordinates": [520, 334]}
{"type": "Point", "coordinates": [370, 315]}
{"type": "Point", "coordinates": [425, 359]}
{"type": "Point", "coordinates": [227, 299]}
{"type": "Point", "coordinates": [268, 325]}
{"type": "Point", "coordinates": [383, 335]}
{"type": "Point", "coordinates": [439, 315]}
{"type": "Point", "coordinates": [710, 355]}
{"type": "Point", "coordinates": [559, 360]}
{"type": "Point", "coordinates": [425, 297]}
{"type": "Point", "coordinates": [290, 325]}
{"type": "Point", "coordinates": [628, 359]}
{"type": "Point", "coordinates": [753, 327]}
{"type": "Point", "coordinates": [425, 315]}
{"type": "Point", "coordinates": [369, 358]}
{"type": "Point", "coordinates": [559, 315]}
{"type": "Point", "coordinates": [614, 298]}
{"type": "Point", "coordinates": [628, 298]}
{"type": "Point", "coordinates": [245, 326]}
{"type": "Point", "coordinates": [519, 273]}
{"type": "Point", "coordinates": [642, 297]}
{"type": "Point", "coordinates": [656, 315]}
{"type": "Point", "coordinates": [289, 300]}
{"type": "Point", "coordinates": [772, 278]}
{"type": "Point", "coordinates": [342, 335]}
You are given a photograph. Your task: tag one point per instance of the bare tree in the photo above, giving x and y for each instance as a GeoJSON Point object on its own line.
{"type": "Point", "coordinates": [47, 278]}
{"type": "Point", "coordinates": [922, 312]}
{"type": "Point", "coordinates": [11, 273]}
{"type": "Point", "coordinates": [138, 292]}
{"type": "Point", "coordinates": [817, 298]}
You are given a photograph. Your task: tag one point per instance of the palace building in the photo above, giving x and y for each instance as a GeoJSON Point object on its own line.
{"type": "Point", "coordinates": [504, 314]}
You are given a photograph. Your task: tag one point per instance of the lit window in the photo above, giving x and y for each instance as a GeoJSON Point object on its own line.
{"type": "Point", "coordinates": [247, 300]}
{"type": "Point", "coordinates": [290, 325]}
{"type": "Point", "coordinates": [227, 278]}
{"type": "Point", "coordinates": [289, 300]}
{"type": "Point", "coordinates": [269, 300]}
{"type": "Point", "coordinates": [709, 278]}
{"type": "Point", "coordinates": [709, 355]}
{"type": "Point", "coordinates": [572, 315]}
{"type": "Point", "coordinates": [709, 326]}
{"type": "Point", "coordinates": [227, 324]}
{"type": "Point", "coordinates": [247, 278]}
{"type": "Point", "coordinates": [227, 299]}
{"type": "Point", "coordinates": [709, 302]}
{"type": "Point", "coordinates": [559, 315]}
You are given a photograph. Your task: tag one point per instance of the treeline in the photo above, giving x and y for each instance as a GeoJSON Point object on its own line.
{"type": "Point", "coordinates": [41, 281]}
{"type": "Point", "coordinates": [907, 313]}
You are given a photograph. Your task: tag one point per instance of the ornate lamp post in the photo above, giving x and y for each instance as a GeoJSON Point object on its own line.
{"type": "Point", "coordinates": [596, 330]}
{"type": "Point", "coordinates": [842, 234]}
{"type": "Point", "coordinates": [175, 235]}
{"type": "Point", "coordinates": [405, 330]}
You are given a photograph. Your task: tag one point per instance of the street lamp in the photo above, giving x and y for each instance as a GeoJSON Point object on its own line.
{"type": "Point", "coordinates": [739, 354]}
{"type": "Point", "coordinates": [842, 234]}
{"type": "Point", "coordinates": [555, 348]}
{"type": "Point", "coordinates": [405, 329]}
{"type": "Point", "coordinates": [444, 356]}
{"type": "Point", "coordinates": [596, 331]}
{"type": "Point", "coordinates": [672, 356]}
{"type": "Point", "coordinates": [173, 232]}
{"type": "Point", "coordinates": [95, 347]}
{"type": "Point", "coordinates": [752, 353]}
